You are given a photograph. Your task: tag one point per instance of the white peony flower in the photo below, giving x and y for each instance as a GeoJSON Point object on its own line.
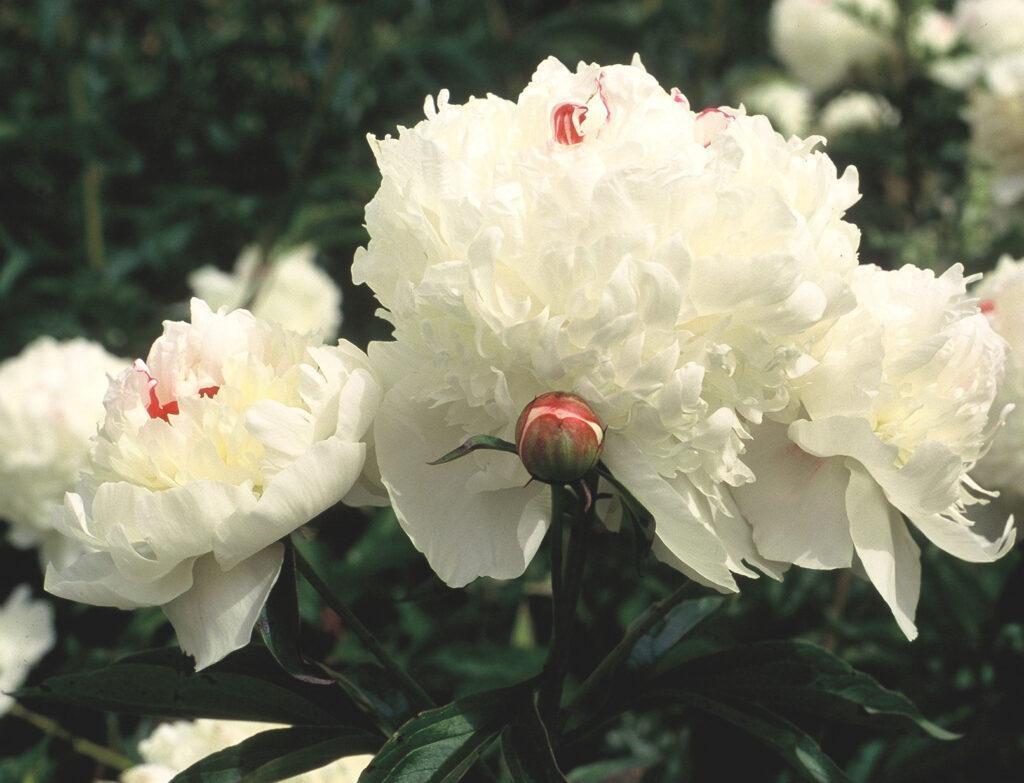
{"type": "Point", "coordinates": [992, 27]}
{"type": "Point", "coordinates": [174, 747]}
{"type": "Point", "coordinates": [596, 237]}
{"type": "Point", "coordinates": [51, 404]}
{"type": "Point", "coordinates": [996, 117]}
{"type": "Point", "coordinates": [294, 291]}
{"type": "Point", "coordinates": [891, 420]}
{"type": "Point", "coordinates": [26, 635]}
{"type": "Point", "coordinates": [934, 32]}
{"type": "Point", "coordinates": [822, 42]}
{"type": "Point", "coordinates": [234, 433]}
{"type": "Point", "coordinates": [857, 111]}
{"type": "Point", "coordinates": [786, 104]}
{"type": "Point", "coordinates": [1001, 294]}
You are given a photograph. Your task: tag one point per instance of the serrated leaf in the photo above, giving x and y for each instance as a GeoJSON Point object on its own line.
{"type": "Point", "coordinates": [247, 685]}
{"type": "Point", "coordinates": [799, 750]}
{"type": "Point", "coordinates": [439, 746]}
{"type": "Point", "coordinates": [474, 444]}
{"type": "Point", "coordinates": [805, 677]}
{"type": "Point", "coordinates": [279, 754]}
{"type": "Point", "coordinates": [280, 626]}
{"type": "Point", "coordinates": [526, 748]}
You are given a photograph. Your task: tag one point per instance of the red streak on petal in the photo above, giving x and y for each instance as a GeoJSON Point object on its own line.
{"type": "Point", "coordinates": [710, 122]}
{"type": "Point", "coordinates": [209, 391]}
{"type": "Point", "coordinates": [678, 97]}
{"type": "Point", "coordinates": [566, 120]}
{"type": "Point", "coordinates": [987, 306]}
{"type": "Point", "coordinates": [604, 98]}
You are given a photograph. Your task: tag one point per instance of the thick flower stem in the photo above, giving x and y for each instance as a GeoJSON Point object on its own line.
{"type": "Point", "coordinates": [412, 689]}
{"type": "Point", "coordinates": [644, 623]}
{"type": "Point", "coordinates": [565, 596]}
{"type": "Point", "coordinates": [105, 756]}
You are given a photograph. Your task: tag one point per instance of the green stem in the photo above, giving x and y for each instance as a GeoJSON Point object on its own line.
{"type": "Point", "coordinates": [412, 689]}
{"type": "Point", "coordinates": [565, 596]}
{"type": "Point", "coordinates": [644, 623]}
{"type": "Point", "coordinates": [105, 756]}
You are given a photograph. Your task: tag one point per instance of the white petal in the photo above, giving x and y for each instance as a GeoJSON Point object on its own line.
{"type": "Point", "coordinates": [285, 431]}
{"type": "Point", "coordinates": [93, 578]}
{"type": "Point", "coordinates": [217, 615]}
{"type": "Point", "coordinates": [927, 484]}
{"type": "Point", "coordinates": [888, 553]}
{"type": "Point", "coordinates": [795, 505]}
{"type": "Point", "coordinates": [678, 523]}
{"type": "Point", "coordinates": [961, 541]}
{"type": "Point", "coordinates": [308, 486]}
{"type": "Point", "coordinates": [463, 533]}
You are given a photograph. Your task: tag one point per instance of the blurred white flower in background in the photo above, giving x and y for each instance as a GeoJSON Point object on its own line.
{"type": "Point", "coordinates": [856, 111]}
{"type": "Point", "coordinates": [786, 104]}
{"type": "Point", "coordinates": [992, 27]}
{"type": "Point", "coordinates": [1001, 295]}
{"type": "Point", "coordinates": [294, 291]}
{"type": "Point", "coordinates": [26, 635]}
{"type": "Point", "coordinates": [891, 420]}
{"type": "Point", "coordinates": [51, 404]}
{"type": "Point", "coordinates": [996, 117]}
{"type": "Point", "coordinates": [934, 33]}
{"type": "Point", "coordinates": [232, 434]}
{"type": "Point", "coordinates": [823, 42]}
{"type": "Point", "coordinates": [174, 747]}
{"type": "Point", "coordinates": [596, 237]}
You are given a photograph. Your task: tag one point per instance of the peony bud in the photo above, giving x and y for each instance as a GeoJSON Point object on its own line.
{"type": "Point", "coordinates": [559, 438]}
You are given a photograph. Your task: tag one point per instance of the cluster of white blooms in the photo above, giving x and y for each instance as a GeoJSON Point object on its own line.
{"type": "Point", "coordinates": [232, 434]}
{"type": "Point", "coordinates": [1002, 299]}
{"type": "Point", "coordinates": [292, 290]}
{"type": "Point", "coordinates": [26, 635]}
{"type": "Point", "coordinates": [823, 42]}
{"type": "Point", "coordinates": [856, 111]}
{"type": "Point", "coordinates": [174, 747]}
{"type": "Point", "coordinates": [51, 404]}
{"type": "Point", "coordinates": [788, 105]}
{"type": "Point", "coordinates": [690, 276]}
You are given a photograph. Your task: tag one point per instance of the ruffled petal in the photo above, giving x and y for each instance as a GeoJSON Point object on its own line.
{"type": "Point", "coordinates": [795, 506]}
{"type": "Point", "coordinates": [887, 552]}
{"type": "Point", "coordinates": [94, 578]}
{"type": "Point", "coordinates": [217, 615]}
{"type": "Point", "coordinates": [960, 540]}
{"type": "Point", "coordinates": [679, 523]}
{"type": "Point", "coordinates": [467, 525]}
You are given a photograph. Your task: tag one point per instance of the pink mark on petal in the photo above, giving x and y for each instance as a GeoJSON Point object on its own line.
{"type": "Point", "coordinates": [710, 123]}
{"type": "Point", "coordinates": [154, 408]}
{"type": "Point", "coordinates": [678, 97]}
{"type": "Point", "coordinates": [604, 98]}
{"type": "Point", "coordinates": [566, 120]}
{"type": "Point", "coordinates": [987, 306]}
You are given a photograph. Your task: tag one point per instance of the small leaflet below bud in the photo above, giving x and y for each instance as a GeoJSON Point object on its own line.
{"type": "Point", "coordinates": [476, 443]}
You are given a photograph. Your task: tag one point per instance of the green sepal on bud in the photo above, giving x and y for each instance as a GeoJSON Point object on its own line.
{"type": "Point", "coordinates": [476, 443]}
{"type": "Point", "coordinates": [559, 438]}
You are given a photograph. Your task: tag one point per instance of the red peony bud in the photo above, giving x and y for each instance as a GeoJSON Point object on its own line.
{"type": "Point", "coordinates": [559, 438]}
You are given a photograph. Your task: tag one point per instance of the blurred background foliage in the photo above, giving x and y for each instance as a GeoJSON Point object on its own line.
{"type": "Point", "coordinates": [141, 139]}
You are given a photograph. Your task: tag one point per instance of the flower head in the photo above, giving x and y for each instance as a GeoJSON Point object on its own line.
{"type": "Point", "coordinates": [51, 404]}
{"type": "Point", "coordinates": [656, 267]}
{"type": "Point", "coordinates": [26, 635]}
{"type": "Point", "coordinates": [996, 116]}
{"type": "Point", "coordinates": [559, 438]}
{"type": "Point", "coordinates": [293, 291]}
{"type": "Point", "coordinates": [890, 422]}
{"type": "Point", "coordinates": [233, 433]}
{"type": "Point", "coordinates": [857, 111]}
{"type": "Point", "coordinates": [822, 42]}
{"type": "Point", "coordinates": [174, 747]}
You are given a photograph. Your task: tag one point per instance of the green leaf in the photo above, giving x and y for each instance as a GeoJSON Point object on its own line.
{"type": "Point", "coordinates": [800, 751]}
{"type": "Point", "coordinates": [802, 676]}
{"type": "Point", "coordinates": [439, 746]}
{"type": "Point", "coordinates": [680, 620]}
{"type": "Point", "coordinates": [473, 444]}
{"type": "Point", "coordinates": [526, 748]}
{"type": "Point", "coordinates": [280, 626]}
{"type": "Point", "coordinates": [374, 690]}
{"type": "Point", "coordinates": [247, 685]}
{"type": "Point", "coordinates": [279, 754]}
